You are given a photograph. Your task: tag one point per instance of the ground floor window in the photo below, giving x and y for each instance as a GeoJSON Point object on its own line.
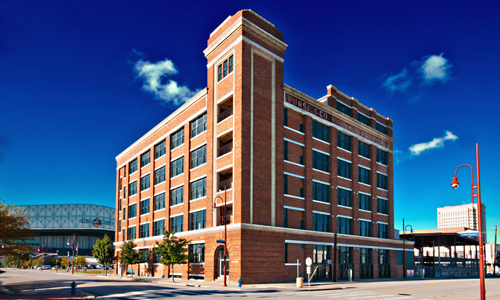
{"type": "Point", "coordinates": [384, 268]}
{"type": "Point", "coordinates": [365, 263]}
{"type": "Point", "coordinates": [345, 262]}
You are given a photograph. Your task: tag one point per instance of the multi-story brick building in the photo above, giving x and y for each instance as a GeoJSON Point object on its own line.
{"type": "Point", "coordinates": [303, 175]}
{"type": "Point", "coordinates": [464, 215]}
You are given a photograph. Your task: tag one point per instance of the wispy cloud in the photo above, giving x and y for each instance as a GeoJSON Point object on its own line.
{"type": "Point", "coordinates": [398, 82]}
{"type": "Point", "coordinates": [427, 70]}
{"type": "Point", "coordinates": [155, 77]}
{"type": "Point", "coordinates": [419, 148]}
{"type": "Point", "coordinates": [435, 68]}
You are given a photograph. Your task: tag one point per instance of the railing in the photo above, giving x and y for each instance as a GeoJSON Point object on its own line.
{"type": "Point", "coordinates": [225, 149]}
{"type": "Point", "coordinates": [226, 114]}
{"type": "Point", "coordinates": [226, 183]}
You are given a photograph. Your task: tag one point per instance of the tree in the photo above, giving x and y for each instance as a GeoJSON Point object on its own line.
{"type": "Point", "coordinates": [172, 251]}
{"type": "Point", "coordinates": [64, 262]}
{"type": "Point", "coordinates": [129, 256]}
{"type": "Point", "coordinates": [53, 261]}
{"type": "Point", "coordinates": [104, 252]}
{"type": "Point", "coordinates": [39, 261]}
{"type": "Point", "coordinates": [81, 261]}
{"type": "Point", "coordinates": [14, 229]}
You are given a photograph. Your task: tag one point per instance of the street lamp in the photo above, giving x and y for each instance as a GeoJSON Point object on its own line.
{"type": "Point", "coordinates": [57, 259]}
{"type": "Point", "coordinates": [72, 248]}
{"type": "Point", "coordinates": [404, 248]}
{"type": "Point", "coordinates": [454, 185]}
{"type": "Point", "coordinates": [224, 220]}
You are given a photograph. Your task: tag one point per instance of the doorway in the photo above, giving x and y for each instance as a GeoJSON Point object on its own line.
{"type": "Point", "coordinates": [219, 262]}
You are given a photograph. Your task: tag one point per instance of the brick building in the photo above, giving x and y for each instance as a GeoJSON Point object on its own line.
{"type": "Point", "coordinates": [303, 175]}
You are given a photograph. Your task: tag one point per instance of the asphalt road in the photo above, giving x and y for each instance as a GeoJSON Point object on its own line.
{"type": "Point", "coordinates": [109, 289]}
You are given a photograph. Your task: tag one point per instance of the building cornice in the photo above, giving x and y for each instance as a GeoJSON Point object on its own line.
{"type": "Point", "coordinates": [312, 101]}
{"type": "Point", "coordinates": [244, 24]}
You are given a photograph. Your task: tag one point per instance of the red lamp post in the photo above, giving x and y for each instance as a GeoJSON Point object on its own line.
{"type": "Point", "coordinates": [454, 185]}
{"type": "Point", "coordinates": [224, 220]}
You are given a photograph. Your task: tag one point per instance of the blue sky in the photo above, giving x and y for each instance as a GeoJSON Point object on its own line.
{"type": "Point", "coordinates": [82, 80]}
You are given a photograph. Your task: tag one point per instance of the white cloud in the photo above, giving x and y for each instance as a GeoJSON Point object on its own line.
{"type": "Point", "coordinates": [435, 68]}
{"type": "Point", "coordinates": [398, 82]}
{"type": "Point", "coordinates": [152, 75]}
{"type": "Point", "coordinates": [417, 149]}
{"type": "Point", "coordinates": [427, 70]}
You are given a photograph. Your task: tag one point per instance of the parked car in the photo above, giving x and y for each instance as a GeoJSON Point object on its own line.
{"type": "Point", "coordinates": [44, 267]}
{"type": "Point", "coordinates": [54, 267]}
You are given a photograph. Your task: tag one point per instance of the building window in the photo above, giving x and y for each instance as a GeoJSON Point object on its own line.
{"type": "Point", "coordinates": [384, 269]}
{"type": "Point", "coordinates": [199, 125]}
{"type": "Point", "coordinates": [321, 254]}
{"type": "Point", "coordinates": [321, 222]}
{"type": "Point", "coordinates": [177, 167]}
{"type": "Point", "coordinates": [364, 202]}
{"type": "Point", "coordinates": [145, 207]}
{"type": "Point", "coordinates": [225, 68]}
{"type": "Point", "coordinates": [344, 197]}
{"type": "Point", "coordinates": [302, 223]}
{"type": "Point", "coordinates": [120, 204]}
{"type": "Point", "coordinates": [124, 213]}
{"type": "Point", "coordinates": [132, 166]}
{"type": "Point", "coordinates": [160, 175]}
{"type": "Point", "coordinates": [365, 256]}
{"type": "Point", "coordinates": [198, 188]}
{"type": "Point", "coordinates": [321, 192]}
{"type": "Point", "coordinates": [160, 149]}
{"type": "Point", "coordinates": [145, 158]}
{"type": "Point", "coordinates": [131, 233]}
{"type": "Point", "coordinates": [382, 157]}
{"type": "Point", "coordinates": [145, 182]}
{"type": "Point", "coordinates": [132, 188]}
{"type": "Point", "coordinates": [344, 169]}
{"type": "Point", "coordinates": [198, 157]}
{"type": "Point", "coordinates": [285, 150]}
{"type": "Point", "coordinates": [132, 211]}
{"type": "Point", "coordinates": [301, 160]}
{"type": "Point", "coordinates": [198, 220]}
{"type": "Point", "coordinates": [177, 138]}
{"type": "Point", "coordinates": [343, 141]}
{"type": "Point", "coordinates": [382, 206]}
{"type": "Point", "coordinates": [285, 116]}
{"type": "Point", "coordinates": [285, 217]}
{"type": "Point", "coordinates": [197, 252]}
{"type": "Point", "coordinates": [301, 126]}
{"type": "Point", "coordinates": [123, 234]}
{"type": "Point", "coordinates": [321, 161]}
{"type": "Point", "coordinates": [177, 196]}
{"type": "Point", "coordinates": [125, 171]}
{"type": "Point", "coordinates": [364, 175]}
{"type": "Point", "coordinates": [345, 255]}
{"type": "Point", "coordinates": [301, 188]}
{"type": "Point", "coordinates": [144, 231]}
{"type": "Point", "coordinates": [381, 128]}
{"type": "Point", "coordinates": [363, 119]}
{"type": "Point", "coordinates": [158, 227]}
{"type": "Point", "coordinates": [382, 230]}
{"type": "Point", "coordinates": [364, 149]}
{"type": "Point", "coordinates": [382, 181]}
{"type": "Point", "coordinates": [285, 184]}
{"type": "Point", "coordinates": [365, 228]}
{"type": "Point", "coordinates": [159, 201]}
{"type": "Point", "coordinates": [321, 131]}
{"type": "Point", "coordinates": [344, 225]}
{"type": "Point", "coordinates": [176, 224]}
{"type": "Point", "coordinates": [343, 108]}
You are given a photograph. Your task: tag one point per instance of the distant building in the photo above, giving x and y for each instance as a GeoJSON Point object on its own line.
{"type": "Point", "coordinates": [464, 215]}
{"type": "Point", "coordinates": [54, 225]}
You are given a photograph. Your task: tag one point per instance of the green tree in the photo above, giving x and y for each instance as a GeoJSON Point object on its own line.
{"type": "Point", "coordinates": [64, 262]}
{"type": "Point", "coordinates": [80, 261]}
{"type": "Point", "coordinates": [14, 231]}
{"type": "Point", "coordinates": [172, 251]}
{"type": "Point", "coordinates": [129, 256]}
{"type": "Point", "coordinates": [38, 261]}
{"type": "Point", "coordinates": [104, 252]}
{"type": "Point", "coordinates": [53, 261]}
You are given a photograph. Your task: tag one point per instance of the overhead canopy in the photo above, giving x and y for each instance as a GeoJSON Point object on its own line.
{"type": "Point", "coordinates": [441, 237]}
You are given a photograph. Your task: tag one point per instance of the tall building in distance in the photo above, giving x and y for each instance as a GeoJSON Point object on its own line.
{"type": "Point", "coordinates": [302, 177]}
{"type": "Point", "coordinates": [464, 215]}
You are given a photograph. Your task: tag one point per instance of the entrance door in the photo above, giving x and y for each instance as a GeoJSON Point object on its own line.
{"type": "Point", "coordinates": [219, 261]}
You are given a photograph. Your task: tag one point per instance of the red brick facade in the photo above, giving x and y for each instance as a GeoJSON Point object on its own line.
{"type": "Point", "coordinates": [245, 141]}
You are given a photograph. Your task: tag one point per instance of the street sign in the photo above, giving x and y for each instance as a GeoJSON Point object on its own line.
{"type": "Point", "coordinates": [469, 233]}
{"type": "Point", "coordinates": [309, 261]}
{"type": "Point", "coordinates": [221, 242]}
{"type": "Point", "coordinates": [308, 270]}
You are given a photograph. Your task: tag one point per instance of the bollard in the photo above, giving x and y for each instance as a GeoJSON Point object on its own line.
{"type": "Point", "coordinates": [239, 282]}
{"type": "Point", "coordinates": [73, 288]}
